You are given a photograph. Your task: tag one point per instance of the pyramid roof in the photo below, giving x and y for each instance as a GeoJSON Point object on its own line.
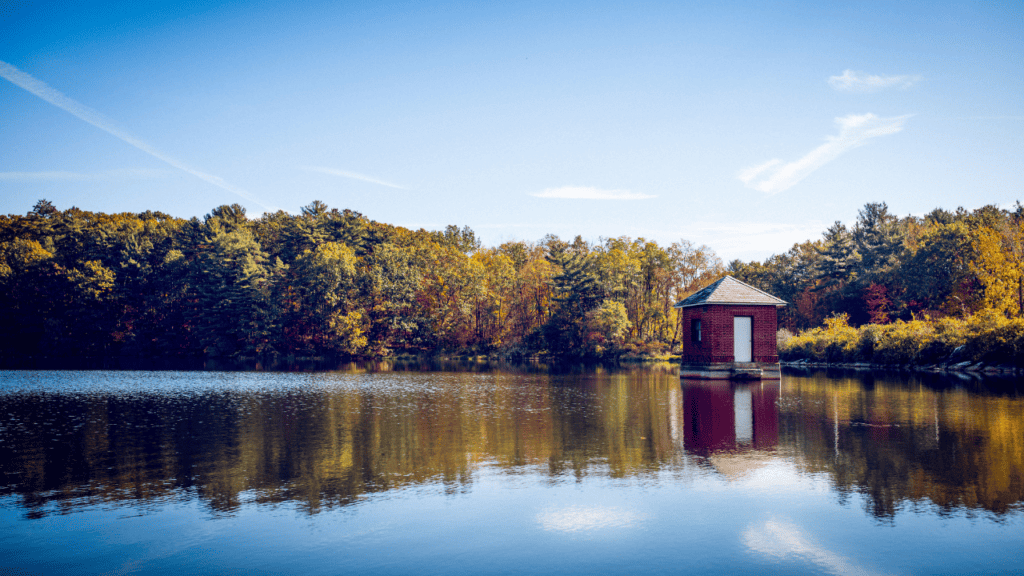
{"type": "Point", "coordinates": [729, 290]}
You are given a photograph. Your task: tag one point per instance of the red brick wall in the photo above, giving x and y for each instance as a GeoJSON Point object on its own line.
{"type": "Point", "coordinates": [716, 331]}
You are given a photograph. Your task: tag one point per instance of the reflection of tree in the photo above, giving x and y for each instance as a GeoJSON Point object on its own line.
{"type": "Point", "coordinates": [901, 444]}
{"type": "Point", "coordinates": [327, 440]}
{"type": "Point", "coordinates": [329, 444]}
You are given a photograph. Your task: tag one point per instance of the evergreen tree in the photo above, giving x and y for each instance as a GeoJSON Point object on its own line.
{"type": "Point", "coordinates": [228, 280]}
{"type": "Point", "coordinates": [839, 259]}
{"type": "Point", "coordinates": [878, 241]}
{"type": "Point", "coordinates": [576, 291]}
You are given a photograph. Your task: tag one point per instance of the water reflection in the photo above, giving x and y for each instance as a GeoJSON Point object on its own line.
{"type": "Point", "coordinates": [731, 427]}
{"type": "Point", "coordinates": [906, 444]}
{"type": "Point", "coordinates": [723, 416]}
{"type": "Point", "coordinates": [320, 440]}
{"type": "Point", "coordinates": [782, 540]}
{"type": "Point", "coordinates": [577, 518]}
{"type": "Point", "coordinates": [328, 440]}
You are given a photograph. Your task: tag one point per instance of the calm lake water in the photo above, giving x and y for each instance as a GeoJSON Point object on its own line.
{"type": "Point", "coordinates": [505, 471]}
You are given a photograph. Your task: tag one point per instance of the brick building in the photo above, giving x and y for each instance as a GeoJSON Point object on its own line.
{"type": "Point", "coordinates": [729, 332]}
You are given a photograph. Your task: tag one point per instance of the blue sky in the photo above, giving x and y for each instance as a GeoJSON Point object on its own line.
{"type": "Point", "coordinates": [744, 126]}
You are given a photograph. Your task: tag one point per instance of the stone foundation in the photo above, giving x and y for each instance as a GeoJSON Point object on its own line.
{"type": "Point", "coordinates": [731, 371]}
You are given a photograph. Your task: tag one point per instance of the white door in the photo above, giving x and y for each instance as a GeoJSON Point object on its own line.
{"type": "Point", "coordinates": [743, 404]}
{"type": "Point", "coordinates": [742, 338]}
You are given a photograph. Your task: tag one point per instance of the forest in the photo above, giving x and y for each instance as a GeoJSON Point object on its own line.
{"type": "Point", "coordinates": [942, 288]}
{"type": "Point", "coordinates": [884, 268]}
{"type": "Point", "coordinates": [333, 283]}
{"type": "Point", "coordinates": [327, 282]}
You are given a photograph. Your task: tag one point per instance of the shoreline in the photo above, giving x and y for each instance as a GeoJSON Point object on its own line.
{"type": "Point", "coordinates": [302, 362]}
{"type": "Point", "coordinates": [966, 368]}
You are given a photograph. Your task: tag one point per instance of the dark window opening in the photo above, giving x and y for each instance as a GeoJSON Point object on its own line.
{"type": "Point", "coordinates": [695, 330]}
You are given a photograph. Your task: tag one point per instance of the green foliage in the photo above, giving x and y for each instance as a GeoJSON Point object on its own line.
{"type": "Point", "coordinates": [463, 240]}
{"type": "Point", "coordinates": [389, 288]}
{"type": "Point", "coordinates": [887, 268]}
{"type": "Point", "coordinates": [878, 237]}
{"type": "Point", "coordinates": [332, 282]}
{"type": "Point", "coordinates": [839, 262]}
{"type": "Point", "coordinates": [320, 316]}
{"type": "Point", "coordinates": [229, 291]}
{"type": "Point", "coordinates": [610, 321]}
{"type": "Point", "coordinates": [325, 281]}
{"type": "Point", "coordinates": [937, 273]}
{"type": "Point", "coordinates": [576, 291]}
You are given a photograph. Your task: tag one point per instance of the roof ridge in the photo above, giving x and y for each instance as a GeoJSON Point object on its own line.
{"type": "Point", "coordinates": [706, 294]}
{"type": "Point", "coordinates": [753, 288]}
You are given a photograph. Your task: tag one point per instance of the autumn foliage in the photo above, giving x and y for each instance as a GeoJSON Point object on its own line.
{"type": "Point", "coordinates": [903, 290]}
{"type": "Point", "coordinates": [987, 336]}
{"type": "Point", "coordinates": [326, 282]}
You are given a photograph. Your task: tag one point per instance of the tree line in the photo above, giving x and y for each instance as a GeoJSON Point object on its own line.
{"type": "Point", "coordinates": [884, 268]}
{"type": "Point", "coordinates": [327, 282]}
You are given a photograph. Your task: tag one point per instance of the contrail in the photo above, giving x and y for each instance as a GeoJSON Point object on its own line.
{"type": "Point", "coordinates": [353, 175]}
{"type": "Point", "coordinates": [44, 91]}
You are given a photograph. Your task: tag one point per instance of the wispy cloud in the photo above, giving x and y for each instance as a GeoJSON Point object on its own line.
{"type": "Point", "coordinates": [853, 81]}
{"type": "Point", "coordinates": [63, 176]}
{"type": "Point", "coordinates": [748, 175]}
{"type": "Point", "coordinates": [83, 112]}
{"type": "Point", "coordinates": [590, 193]}
{"type": "Point", "coordinates": [854, 130]}
{"type": "Point", "coordinates": [353, 175]}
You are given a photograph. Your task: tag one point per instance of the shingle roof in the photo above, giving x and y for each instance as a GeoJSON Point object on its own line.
{"type": "Point", "coordinates": [729, 290]}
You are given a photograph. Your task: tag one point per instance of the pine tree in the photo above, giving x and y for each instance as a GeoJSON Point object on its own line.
{"type": "Point", "coordinates": [878, 242]}
{"type": "Point", "coordinates": [576, 291]}
{"type": "Point", "coordinates": [228, 281]}
{"type": "Point", "coordinates": [839, 259]}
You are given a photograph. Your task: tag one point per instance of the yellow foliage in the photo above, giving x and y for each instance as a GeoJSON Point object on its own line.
{"type": "Point", "coordinates": [986, 336]}
{"type": "Point", "coordinates": [92, 279]}
{"type": "Point", "coordinates": [20, 254]}
{"type": "Point", "coordinates": [1000, 267]}
{"type": "Point", "coordinates": [610, 320]}
{"type": "Point", "coordinates": [836, 341]}
{"type": "Point", "coordinates": [349, 331]}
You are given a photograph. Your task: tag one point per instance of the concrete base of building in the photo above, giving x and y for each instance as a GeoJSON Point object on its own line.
{"type": "Point", "coordinates": [731, 371]}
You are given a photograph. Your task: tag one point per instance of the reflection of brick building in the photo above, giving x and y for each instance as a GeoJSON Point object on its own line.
{"type": "Point", "coordinates": [729, 332]}
{"type": "Point", "coordinates": [729, 417]}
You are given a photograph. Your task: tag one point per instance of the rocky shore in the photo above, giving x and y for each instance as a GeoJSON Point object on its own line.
{"type": "Point", "coordinates": [966, 367]}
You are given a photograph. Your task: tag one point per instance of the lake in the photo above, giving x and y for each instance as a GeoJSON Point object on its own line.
{"type": "Point", "coordinates": [380, 469]}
